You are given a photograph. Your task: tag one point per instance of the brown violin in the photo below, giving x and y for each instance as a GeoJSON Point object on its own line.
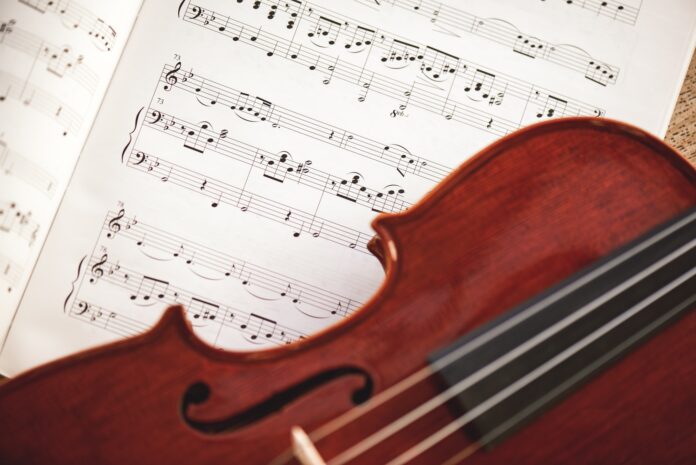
{"type": "Point", "coordinates": [536, 309]}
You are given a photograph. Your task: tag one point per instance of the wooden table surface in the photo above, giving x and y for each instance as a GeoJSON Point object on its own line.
{"type": "Point", "coordinates": [682, 129]}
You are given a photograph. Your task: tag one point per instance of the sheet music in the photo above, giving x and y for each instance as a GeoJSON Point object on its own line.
{"type": "Point", "coordinates": [244, 148]}
{"type": "Point", "coordinates": [56, 60]}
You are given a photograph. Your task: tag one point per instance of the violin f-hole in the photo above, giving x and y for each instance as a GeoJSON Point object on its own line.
{"type": "Point", "coordinates": [199, 393]}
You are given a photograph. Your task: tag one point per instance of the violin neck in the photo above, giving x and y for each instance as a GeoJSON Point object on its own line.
{"type": "Point", "coordinates": [514, 368]}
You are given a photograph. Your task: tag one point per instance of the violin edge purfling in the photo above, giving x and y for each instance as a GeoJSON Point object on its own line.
{"type": "Point", "coordinates": [524, 213]}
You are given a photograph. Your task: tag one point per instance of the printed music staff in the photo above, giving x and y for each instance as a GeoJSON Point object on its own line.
{"type": "Point", "coordinates": [244, 150]}
{"type": "Point", "coordinates": [12, 87]}
{"type": "Point", "coordinates": [220, 192]}
{"type": "Point", "coordinates": [443, 66]}
{"type": "Point", "coordinates": [444, 18]}
{"type": "Point", "coordinates": [214, 265]}
{"type": "Point", "coordinates": [148, 291]}
{"type": "Point", "coordinates": [75, 16]}
{"type": "Point", "coordinates": [277, 167]}
{"type": "Point", "coordinates": [453, 20]}
{"type": "Point", "coordinates": [286, 119]}
{"type": "Point", "coordinates": [15, 165]}
{"type": "Point", "coordinates": [108, 320]}
{"type": "Point", "coordinates": [61, 61]}
{"type": "Point", "coordinates": [625, 11]}
{"type": "Point", "coordinates": [10, 273]}
{"type": "Point", "coordinates": [18, 222]}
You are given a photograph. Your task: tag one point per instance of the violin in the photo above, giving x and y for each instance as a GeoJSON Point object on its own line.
{"type": "Point", "coordinates": [536, 309]}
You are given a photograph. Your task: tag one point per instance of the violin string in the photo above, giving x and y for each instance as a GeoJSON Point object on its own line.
{"type": "Point", "coordinates": [353, 414]}
{"type": "Point", "coordinates": [558, 390]}
{"type": "Point", "coordinates": [427, 407]}
{"type": "Point", "coordinates": [463, 454]}
{"type": "Point", "coordinates": [491, 402]}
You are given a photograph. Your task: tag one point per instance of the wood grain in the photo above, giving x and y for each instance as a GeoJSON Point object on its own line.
{"type": "Point", "coordinates": [682, 129]}
{"type": "Point", "coordinates": [496, 232]}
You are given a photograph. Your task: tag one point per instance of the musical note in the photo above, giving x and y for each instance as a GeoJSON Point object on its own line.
{"type": "Point", "coordinates": [436, 65]}
{"type": "Point", "coordinates": [361, 40]}
{"type": "Point", "coordinates": [10, 273]}
{"type": "Point", "coordinates": [226, 266]}
{"type": "Point", "coordinates": [149, 289]}
{"type": "Point", "coordinates": [342, 308]}
{"type": "Point", "coordinates": [480, 86]}
{"type": "Point", "coordinates": [162, 293]}
{"type": "Point", "coordinates": [14, 164]}
{"type": "Point", "coordinates": [320, 130]}
{"type": "Point", "coordinates": [242, 163]}
{"type": "Point", "coordinates": [257, 325]}
{"type": "Point", "coordinates": [230, 195]}
{"type": "Point", "coordinates": [248, 109]}
{"type": "Point", "coordinates": [450, 19]}
{"type": "Point", "coordinates": [528, 46]}
{"type": "Point", "coordinates": [75, 16]}
{"type": "Point", "coordinates": [551, 106]}
{"type": "Point", "coordinates": [193, 139]}
{"type": "Point", "coordinates": [13, 87]}
{"type": "Point", "coordinates": [400, 54]}
{"type": "Point", "coordinates": [325, 32]}
{"type": "Point", "coordinates": [600, 73]}
{"type": "Point", "coordinates": [17, 222]}
{"type": "Point", "coordinates": [113, 322]}
{"type": "Point", "coordinates": [619, 11]}
{"type": "Point", "coordinates": [276, 167]}
{"type": "Point", "coordinates": [203, 310]}
{"type": "Point", "coordinates": [389, 199]}
{"type": "Point", "coordinates": [60, 61]}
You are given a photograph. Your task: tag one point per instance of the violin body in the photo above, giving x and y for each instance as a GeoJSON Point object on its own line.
{"type": "Point", "coordinates": [525, 213]}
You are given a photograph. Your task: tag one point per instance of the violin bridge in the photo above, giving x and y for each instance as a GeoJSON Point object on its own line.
{"type": "Point", "coordinates": [304, 449]}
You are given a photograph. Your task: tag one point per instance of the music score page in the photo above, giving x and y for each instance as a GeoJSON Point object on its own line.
{"type": "Point", "coordinates": [56, 61]}
{"type": "Point", "coordinates": [243, 149]}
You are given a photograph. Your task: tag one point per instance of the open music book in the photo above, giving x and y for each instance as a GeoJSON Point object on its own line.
{"type": "Point", "coordinates": [230, 155]}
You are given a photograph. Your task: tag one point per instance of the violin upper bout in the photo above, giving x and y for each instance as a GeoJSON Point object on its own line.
{"type": "Point", "coordinates": [529, 210]}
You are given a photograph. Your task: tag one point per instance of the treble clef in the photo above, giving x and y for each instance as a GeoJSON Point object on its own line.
{"type": "Point", "coordinates": [97, 270]}
{"type": "Point", "coordinates": [171, 78]}
{"type": "Point", "coordinates": [115, 224]}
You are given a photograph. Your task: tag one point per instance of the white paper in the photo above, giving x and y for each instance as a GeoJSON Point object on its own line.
{"type": "Point", "coordinates": [243, 149]}
{"type": "Point", "coordinates": [56, 60]}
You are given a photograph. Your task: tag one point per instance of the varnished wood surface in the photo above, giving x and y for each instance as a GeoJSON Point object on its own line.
{"type": "Point", "coordinates": [517, 218]}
